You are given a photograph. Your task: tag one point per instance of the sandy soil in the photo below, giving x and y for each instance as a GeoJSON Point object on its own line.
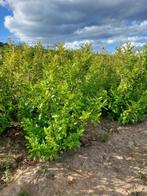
{"type": "Point", "coordinates": [112, 161]}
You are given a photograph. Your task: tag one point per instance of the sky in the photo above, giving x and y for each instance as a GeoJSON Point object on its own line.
{"type": "Point", "coordinates": [104, 23]}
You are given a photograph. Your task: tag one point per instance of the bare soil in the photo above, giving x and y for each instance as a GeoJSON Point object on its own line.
{"type": "Point", "coordinates": [112, 161]}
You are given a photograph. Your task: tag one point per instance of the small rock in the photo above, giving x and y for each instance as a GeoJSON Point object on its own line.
{"type": "Point", "coordinates": [71, 179]}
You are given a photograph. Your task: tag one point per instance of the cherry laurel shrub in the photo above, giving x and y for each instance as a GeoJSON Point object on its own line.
{"type": "Point", "coordinates": [54, 93]}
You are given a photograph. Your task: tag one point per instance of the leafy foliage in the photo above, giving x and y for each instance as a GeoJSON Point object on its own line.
{"type": "Point", "coordinates": [54, 93]}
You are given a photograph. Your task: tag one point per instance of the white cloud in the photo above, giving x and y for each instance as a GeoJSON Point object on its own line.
{"type": "Point", "coordinates": [2, 2]}
{"type": "Point", "coordinates": [74, 22]}
{"type": "Point", "coordinates": [114, 29]}
{"type": "Point", "coordinates": [135, 44]}
{"type": "Point", "coordinates": [138, 44]}
{"type": "Point", "coordinates": [77, 44]}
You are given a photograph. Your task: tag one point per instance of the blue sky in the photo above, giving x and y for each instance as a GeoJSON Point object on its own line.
{"type": "Point", "coordinates": [4, 32]}
{"type": "Point", "coordinates": [103, 23]}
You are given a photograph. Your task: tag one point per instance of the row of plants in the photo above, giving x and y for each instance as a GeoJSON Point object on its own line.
{"type": "Point", "coordinates": [54, 93]}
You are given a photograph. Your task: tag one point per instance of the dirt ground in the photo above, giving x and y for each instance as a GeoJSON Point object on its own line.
{"type": "Point", "coordinates": [112, 161]}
